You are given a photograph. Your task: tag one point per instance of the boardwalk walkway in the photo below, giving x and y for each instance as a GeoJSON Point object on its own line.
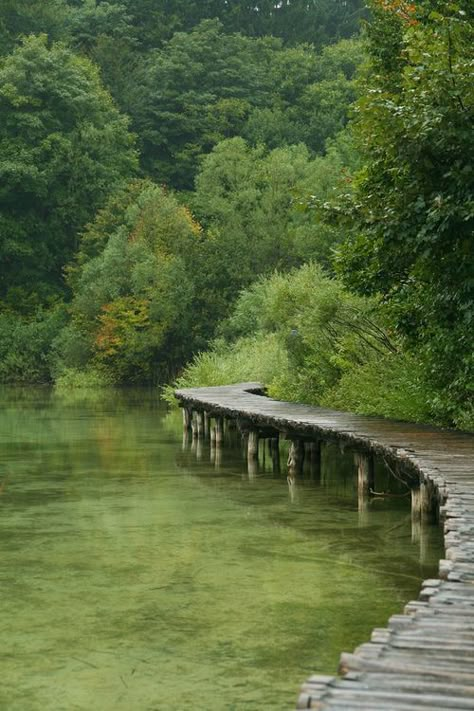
{"type": "Point", "coordinates": [424, 659]}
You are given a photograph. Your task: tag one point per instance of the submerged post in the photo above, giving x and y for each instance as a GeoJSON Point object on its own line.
{"type": "Point", "coordinates": [422, 501]}
{"type": "Point", "coordinates": [365, 473]}
{"type": "Point", "coordinates": [274, 446]}
{"type": "Point", "coordinates": [295, 457]}
{"type": "Point", "coordinates": [194, 424]}
{"type": "Point", "coordinates": [219, 430]}
{"type": "Point", "coordinates": [200, 424]}
{"type": "Point", "coordinates": [252, 445]}
{"type": "Point", "coordinates": [187, 418]}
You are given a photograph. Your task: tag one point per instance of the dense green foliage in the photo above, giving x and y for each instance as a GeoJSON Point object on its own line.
{"type": "Point", "coordinates": [413, 208]}
{"type": "Point", "coordinates": [409, 219]}
{"type": "Point", "coordinates": [245, 198]}
{"type": "Point", "coordinates": [63, 148]}
{"type": "Point", "coordinates": [205, 86]}
{"type": "Point", "coordinates": [132, 288]}
{"type": "Point", "coordinates": [25, 345]}
{"type": "Point", "coordinates": [179, 172]}
{"type": "Point", "coordinates": [130, 291]}
{"type": "Point", "coordinates": [310, 340]}
{"type": "Point", "coordinates": [150, 23]}
{"type": "Point", "coordinates": [150, 283]}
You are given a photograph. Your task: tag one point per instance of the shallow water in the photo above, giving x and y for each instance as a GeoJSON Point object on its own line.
{"type": "Point", "coordinates": [138, 575]}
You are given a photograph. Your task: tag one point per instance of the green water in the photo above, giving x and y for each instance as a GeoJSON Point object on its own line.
{"type": "Point", "coordinates": [138, 575]}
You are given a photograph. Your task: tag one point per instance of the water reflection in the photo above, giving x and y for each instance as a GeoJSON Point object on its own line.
{"type": "Point", "coordinates": [332, 468]}
{"type": "Point", "coordinates": [144, 570]}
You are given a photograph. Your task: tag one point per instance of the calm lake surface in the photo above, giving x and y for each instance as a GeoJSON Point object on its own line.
{"type": "Point", "coordinates": [137, 575]}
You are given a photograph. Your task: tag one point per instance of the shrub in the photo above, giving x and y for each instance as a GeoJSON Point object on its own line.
{"type": "Point", "coordinates": [25, 344]}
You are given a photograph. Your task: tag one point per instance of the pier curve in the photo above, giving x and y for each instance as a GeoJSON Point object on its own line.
{"type": "Point", "coordinates": [423, 659]}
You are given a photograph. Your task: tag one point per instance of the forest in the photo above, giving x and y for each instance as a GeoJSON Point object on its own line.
{"type": "Point", "coordinates": [211, 191]}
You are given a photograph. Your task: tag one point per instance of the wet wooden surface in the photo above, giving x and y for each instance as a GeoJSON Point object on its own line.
{"type": "Point", "coordinates": [423, 659]}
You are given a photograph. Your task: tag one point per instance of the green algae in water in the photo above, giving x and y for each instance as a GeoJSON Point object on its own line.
{"type": "Point", "coordinates": [137, 575]}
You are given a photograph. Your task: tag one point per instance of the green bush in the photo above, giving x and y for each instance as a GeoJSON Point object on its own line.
{"type": "Point", "coordinates": [132, 285]}
{"type": "Point", "coordinates": [253, 359]}
{"type": "Point", "coordinates": [393, 386]}
{"type": "Point", "coordinates": [74, 379]}
{"type": "Point", "coordinates": [25, 345]}
{"type": "Point", "coordinates": [308, 339]}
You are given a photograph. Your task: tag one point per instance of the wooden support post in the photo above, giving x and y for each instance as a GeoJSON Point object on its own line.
{"type": "Point", "coordinates": [295, 457]}
{"type": "Point", "coordinates": [419, 527]}
{"type": "Point", "coordinates": [212, 434]}
{"type": "Point", "coordinates": [186, 440]}
{"type": "Point", "coordinates": [365, 484]}
{"type": "Point", "coordinates": [219, 431]}
{"type": "Point", "coordinates": [206, 424]}
{"type": "Point", "coordinates": [244, 439]}
{"type": "Point", "coordinates": [194, 424]}
{"type": "Point", "coordinates": [365, 474]}
{"type": "Point", "coordinates": [416, 498]}
{"type": "Point", "coordinates": [422, 501]}
{"type": "Point", "coordinates": [428, 500]}
{"type": "Point", "coordinates": [275, 452]}
{"type": "Point", "coordinates": [199, 448]}
{"type": "Point", "coordinates": [200, 424]}
{"type": "Point", "coordinates": [252, 445]}
{"type": "Point", "coordinates": [415, 527]}
{"type": "Point", "coordinates": [187, 418]}
{"type": "Point", "coordinates": [252, 467]}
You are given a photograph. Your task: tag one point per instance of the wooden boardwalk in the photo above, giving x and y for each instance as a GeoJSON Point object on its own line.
{"type": "Point", "coordinates": [423, 659]}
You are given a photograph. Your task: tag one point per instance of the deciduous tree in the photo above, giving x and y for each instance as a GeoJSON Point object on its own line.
{"type": "Point", "coordinates": [63, 148]}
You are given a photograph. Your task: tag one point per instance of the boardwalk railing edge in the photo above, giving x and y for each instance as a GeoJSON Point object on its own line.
{"type": "Point", "coordinates": [424, 658]}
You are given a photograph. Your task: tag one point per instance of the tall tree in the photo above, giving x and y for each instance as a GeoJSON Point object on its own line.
{"type": "Point", "coordinates": [133, 284]}
{"type": "Point", "coordinates": [63, 148]}
{"type": "Point", "coordinates": [195, 92]}
{"type": "Point", "coordinates": [414, 202]}
{"type": "Point", "coordinates": [205, 86]}
{"type": "Point", "coordinates": [317, 21]}
{"type": "Point", "coordinates": [23, 17]}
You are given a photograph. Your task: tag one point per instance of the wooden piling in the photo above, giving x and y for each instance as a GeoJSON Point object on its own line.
{"type": "Point", "coordinates": [219, 429]}
{"type": "Point", "coordinates": [252, 445]}
{"type": "Point", "coordinates": [275, 452]}
{"type": "Point", "coordinates": [200, 424]}
{"type": "Point", "coordinates": [416, 503]}
{"type": "Point", "coordinates": [187, 418]}
{"type": "Point", "coordinates": [423, 501]}
{"type": "Point", "coordinates": [186, 440]}
{"type": "Point", "coordinates": [365, 473]}
{"type": "Point", "coordinates": [295, 457]}
{"type": "Point", "coordinates": [194, 424]}
{"type": "Point", "coordinates": [199, 450]}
